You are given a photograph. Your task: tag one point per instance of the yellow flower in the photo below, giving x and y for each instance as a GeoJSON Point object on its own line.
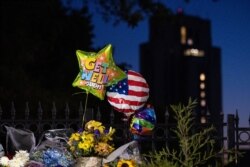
{"type": "Point", "coordinates": [126, 163]}
{"type": "Point", "coordinates": [108, 137]}
{"type": "Point", "coordinates": [88, 137]}
{"type": "Point", "coordinates": [75, 136]}
{"type": "Point", "coordinates": [100, 129]}
{"type": "Point", "coordinates": [103, 149]}
{"type": "Point", "coordinates": [92, 125]}
{"type": "Point", "coordinates": [85, 145]}
{"type": "Point", "coordinates": [81, 145]}
{"type": "Point", "coordinates": [72, 148]}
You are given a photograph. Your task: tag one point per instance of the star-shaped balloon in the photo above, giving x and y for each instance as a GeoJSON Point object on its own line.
{"type": "Point", "coordinates": [97, 71]}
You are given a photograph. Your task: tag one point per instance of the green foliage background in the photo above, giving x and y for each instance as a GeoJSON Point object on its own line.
{"type": "Point", "coordinates": [196, 148]}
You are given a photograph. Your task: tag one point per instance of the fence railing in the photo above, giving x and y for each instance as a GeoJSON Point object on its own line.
{"type": "Point", "coordinates": [38, 120]}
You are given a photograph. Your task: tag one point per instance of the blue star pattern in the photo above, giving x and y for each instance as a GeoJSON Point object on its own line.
{"type": "Point", "coordinates": [121, 87]}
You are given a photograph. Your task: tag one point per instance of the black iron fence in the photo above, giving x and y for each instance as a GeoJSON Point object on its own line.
{"type": "Point", "coordinates": [38, 120]}
{"type": "Point", "coordinates": [238, 139]}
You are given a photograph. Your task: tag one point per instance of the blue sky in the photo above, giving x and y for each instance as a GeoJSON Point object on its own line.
{"type": "Point", "coordinates": [230, 26]}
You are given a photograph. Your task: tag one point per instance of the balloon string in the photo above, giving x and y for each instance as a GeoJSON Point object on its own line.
{"type": "Point", "coordinates": [127, 128]}
{"type": "Point", "coordinates": [126, 124]}
{"type": "Point", "coordinates": [78, 93]}
{"type": "Point", "coordinates": [85, 109]}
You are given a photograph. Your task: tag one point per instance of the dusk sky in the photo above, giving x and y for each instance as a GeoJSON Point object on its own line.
{"type": "Point", "coordinates": [230, 26]}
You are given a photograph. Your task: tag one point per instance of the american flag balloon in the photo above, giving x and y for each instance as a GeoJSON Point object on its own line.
{"type": "Point", "coordinates": [129, 94]}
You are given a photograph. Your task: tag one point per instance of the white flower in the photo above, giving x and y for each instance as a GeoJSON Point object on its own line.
{"type": "Point", "coordinates": [4, 161]}
{"type": "Point", "coordinates": [19, 160]}
{"type": "Point", "coordinates": [16, 162]}
{"type": "Point", "coordinates": [22, 155]}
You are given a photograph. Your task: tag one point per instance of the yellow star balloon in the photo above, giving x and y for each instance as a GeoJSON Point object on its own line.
{"type": "Point", "coordinates": [97, 71]}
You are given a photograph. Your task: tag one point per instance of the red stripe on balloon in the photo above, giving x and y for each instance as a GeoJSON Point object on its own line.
{"type": "Point", "coordinates": [137, 83]}
{"type": "Point", "coordinates": [123, 101]}
{"type": "Point", "coordinates": [139, 94]}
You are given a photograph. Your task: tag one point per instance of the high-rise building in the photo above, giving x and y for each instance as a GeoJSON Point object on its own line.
{"type": "Point", "coordinates": [179, 62]}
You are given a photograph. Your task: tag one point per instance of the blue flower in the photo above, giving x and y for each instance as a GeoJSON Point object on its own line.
{"type": "Point", "coordinates": [56, 158]}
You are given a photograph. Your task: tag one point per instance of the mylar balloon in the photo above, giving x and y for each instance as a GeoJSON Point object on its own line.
{"type": "Point", "coordinates": [143, 122]}
{"type": "Point", "coordinates": [97, 70]}
{"type": "Point", "coordinates": [130, 94]}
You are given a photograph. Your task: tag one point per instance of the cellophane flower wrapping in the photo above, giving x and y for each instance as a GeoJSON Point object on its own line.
{"type": "Point", "coordinates": [88, 162]}
{"type": "Point", "coordinates": [53, 150]}
{"type": "Point", "coordinates": [128, 152]}
{"type": "Point", "coordinates": [53, 157]}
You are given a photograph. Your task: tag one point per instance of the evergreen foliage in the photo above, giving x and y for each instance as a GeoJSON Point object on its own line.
{"type": "Point", "coordinates": [196, 148]}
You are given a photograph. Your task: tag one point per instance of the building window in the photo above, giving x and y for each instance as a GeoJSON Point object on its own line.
{"type": "Point", "coordinates": [190, 41]}
{"type": "Point", "coordinates": [183, 32]}
{"type": "Point", "coordinates": [202, 77]}
{"type": "Point", "coordinates": [203, 120]}
{"type": "Point", "coordinates": [203, 94]}
{"type": "Point", "coordinates": [194, 52]}
{"type": "Point", "coordinates": [203, 103]}
{"type": "Point", "coordinates": [202, 86]}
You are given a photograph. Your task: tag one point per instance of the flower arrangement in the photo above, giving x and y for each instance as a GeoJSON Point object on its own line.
{"type": "Point", "coordinates": [19, 160]}
{"type": "Point", "coordinates": [94, 140]}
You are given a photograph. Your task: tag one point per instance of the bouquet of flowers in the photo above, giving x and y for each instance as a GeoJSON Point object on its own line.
{"type": "Point", "coordinates": [51, 157]}
{"type": "Point", "coordinates": [94, 140]}
{"type": "Point", "coordinates": [19, 160]}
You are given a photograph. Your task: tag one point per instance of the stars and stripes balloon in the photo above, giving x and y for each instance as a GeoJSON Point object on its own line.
{"type": "Point", "coordinates": [129, 94]}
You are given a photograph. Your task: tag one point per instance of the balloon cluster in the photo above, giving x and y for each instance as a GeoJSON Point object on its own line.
{"type": "Point", "coordinates": [127, 91]}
